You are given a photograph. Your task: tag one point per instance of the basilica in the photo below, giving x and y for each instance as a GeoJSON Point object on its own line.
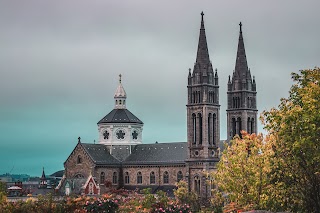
{"type": "Point", "coordinates": [121, 160]}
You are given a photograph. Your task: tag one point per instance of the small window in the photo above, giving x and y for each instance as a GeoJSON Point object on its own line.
{"type": "Point", "coordinates": [102, 177]}
{"type": "Point", "coordinates": [114, 178]}
{"type": "Point", "coordinates": [79, 159]}
{"type": "Point", "coordinates": [179, 176]}
{"type": "Point", "coordinates": [126, 178]}
{"type": "Point", "coordinates": [119, 102]}
{"type": "Point", "coordinates": [165, 177]}
{"type": "Point", "coordinates": [139, 178]}
{"type": "Point", "coordinates": [152, 178]}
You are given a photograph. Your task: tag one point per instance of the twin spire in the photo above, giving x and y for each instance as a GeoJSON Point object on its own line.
{"type": "Point", "coordinates": [202, 54]}
{"type": "Point", "coordinates": [241, 67]}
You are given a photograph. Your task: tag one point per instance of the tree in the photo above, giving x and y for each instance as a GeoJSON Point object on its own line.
{"type": "Point", "coordinates": [242, 171]}
{"type": "Point", "coordinates": [3, 197]}
{"type": "Point", "coordinates": [294, 130]}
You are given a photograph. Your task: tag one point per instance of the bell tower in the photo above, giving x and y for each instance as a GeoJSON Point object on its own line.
{"type": "Point", "coordinates": [242, 100]}
{"type": "Point", "coordinates": [203, 117]}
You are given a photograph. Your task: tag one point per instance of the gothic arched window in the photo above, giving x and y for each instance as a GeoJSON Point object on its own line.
{"type": "Point", "coordinates": [200, 127]}
{"type": "Point", "coordinates": [214, 121]}
{"type": "Point", "coordinates": [152, 178]}
{"type": "Point", "coordinates": [234, 127]}
{"type": "Point", "coordinates": [197, 185]}
{"type": "Point", "coordinates": [194, 125]}
{"type": "Point", "coordinates": [179, 176]}
{"type": "Point", "coordinates": [249, 130]}
{"type": "Point", "coordinates": [239, 128]}
{"type": "Point", "coordinates": [213, 97]}
{"type": "Point", "coordinates": [209, 127]}
{"type": "Point", "coordinates": [126, 178]}
{"type": "Point", "coordinates": [115, 178]}
{"type": "Point", "coordinates": [252, 125]}
{"type": "Point", "coordinates": [139, 178]}
{"type": "Point", "coordinates": [165, 177]}
{"type": "Point", "coordinates": [102, 177]}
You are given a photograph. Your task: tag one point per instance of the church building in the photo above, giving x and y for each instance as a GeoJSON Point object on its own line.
{"type": "Point", "coordinates": [120, 159]}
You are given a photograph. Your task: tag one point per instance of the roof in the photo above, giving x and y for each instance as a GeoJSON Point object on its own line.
{"type": "Point", "coordinates": [158, 153]}
{"type": "Point", "coordinates": [57, 173]}
{"type": "Point", "coordinates": [14, 188]}
{"type": "Point", "coordinates": [120, 92]}
{"type": "Point", "coordinates": [99, 154]}
{"type": "Point", "coordinates": [120, 116]}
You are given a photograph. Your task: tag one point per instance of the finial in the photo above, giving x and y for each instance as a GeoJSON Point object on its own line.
{"type": "Point", "coordinates": [202, 22]}
{"type": "Point", "coordinates": [120, 78]}
{"type": "Point", "coordinates": [79, 140]}
{"type": "Point", "coordinates": [240, 27]}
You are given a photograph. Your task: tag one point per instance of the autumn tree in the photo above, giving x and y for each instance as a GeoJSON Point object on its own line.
{"type": "Point", "coordinates": [294, 130]}
{"type": "Point", "coordinates": [242, 171]}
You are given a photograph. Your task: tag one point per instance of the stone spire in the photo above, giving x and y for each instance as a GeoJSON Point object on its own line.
{"type": "Point", "coordinates": [241, 68]}
{"type": "Point", "coordinates": [202, 53]}
{"type": "Point", "coordinates": [43, 176]}
{"type": "Point", "coordinates": [120, 96]}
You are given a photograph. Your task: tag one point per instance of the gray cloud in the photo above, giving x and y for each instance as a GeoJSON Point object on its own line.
{"type": "Point", "coordinates": [60, 60]}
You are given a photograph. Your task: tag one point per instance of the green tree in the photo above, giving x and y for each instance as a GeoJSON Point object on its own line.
{"type": "Point", "coordinates": [183, 196]}
{"type": "Point", "coordinates": [242, 173]}
{"type": "Point", "coordinates": [294, 130]}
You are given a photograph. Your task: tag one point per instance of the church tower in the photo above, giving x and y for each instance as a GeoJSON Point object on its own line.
{"type": "Point", "coordinates": [203, 118]}
{"type": "Point", "coordinates": [242, 100]}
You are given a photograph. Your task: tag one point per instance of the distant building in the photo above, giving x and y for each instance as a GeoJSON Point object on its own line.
{"type": "Point", "coordinates": [43, 181]}
{"type": "Point", "coordinates": [121, 160]}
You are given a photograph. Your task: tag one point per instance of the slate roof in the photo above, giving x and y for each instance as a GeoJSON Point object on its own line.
{"type": "Point", "coordinates": [57, 173]}
{"type": "Point", "coordinates": [158, 153]}
{"type": "Point", "coordinates": [100, 154]}
{"type": "Point", "coordinates": [120, 116]}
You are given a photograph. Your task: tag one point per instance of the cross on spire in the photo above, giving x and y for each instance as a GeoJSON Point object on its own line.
{"type": "Point", "coordinates": [202, 22]}
{"type": "Point", "coordinates": [240, 27]}
{"type": "Point", "coordinates": [120, 78]}
{"type": "Point", "coordinates": [79, 140]}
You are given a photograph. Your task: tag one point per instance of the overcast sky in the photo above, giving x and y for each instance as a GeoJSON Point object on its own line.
{"type": "Point", "coordinates": [60, 61]}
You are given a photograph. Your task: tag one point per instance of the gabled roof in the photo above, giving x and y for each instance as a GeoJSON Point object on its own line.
{"type": "Point", "coordinates": [120, 116]}
{"type": "Point", "coordinates": [99, 154]}
{"type": "Point", "coordinates": [158, 153]}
